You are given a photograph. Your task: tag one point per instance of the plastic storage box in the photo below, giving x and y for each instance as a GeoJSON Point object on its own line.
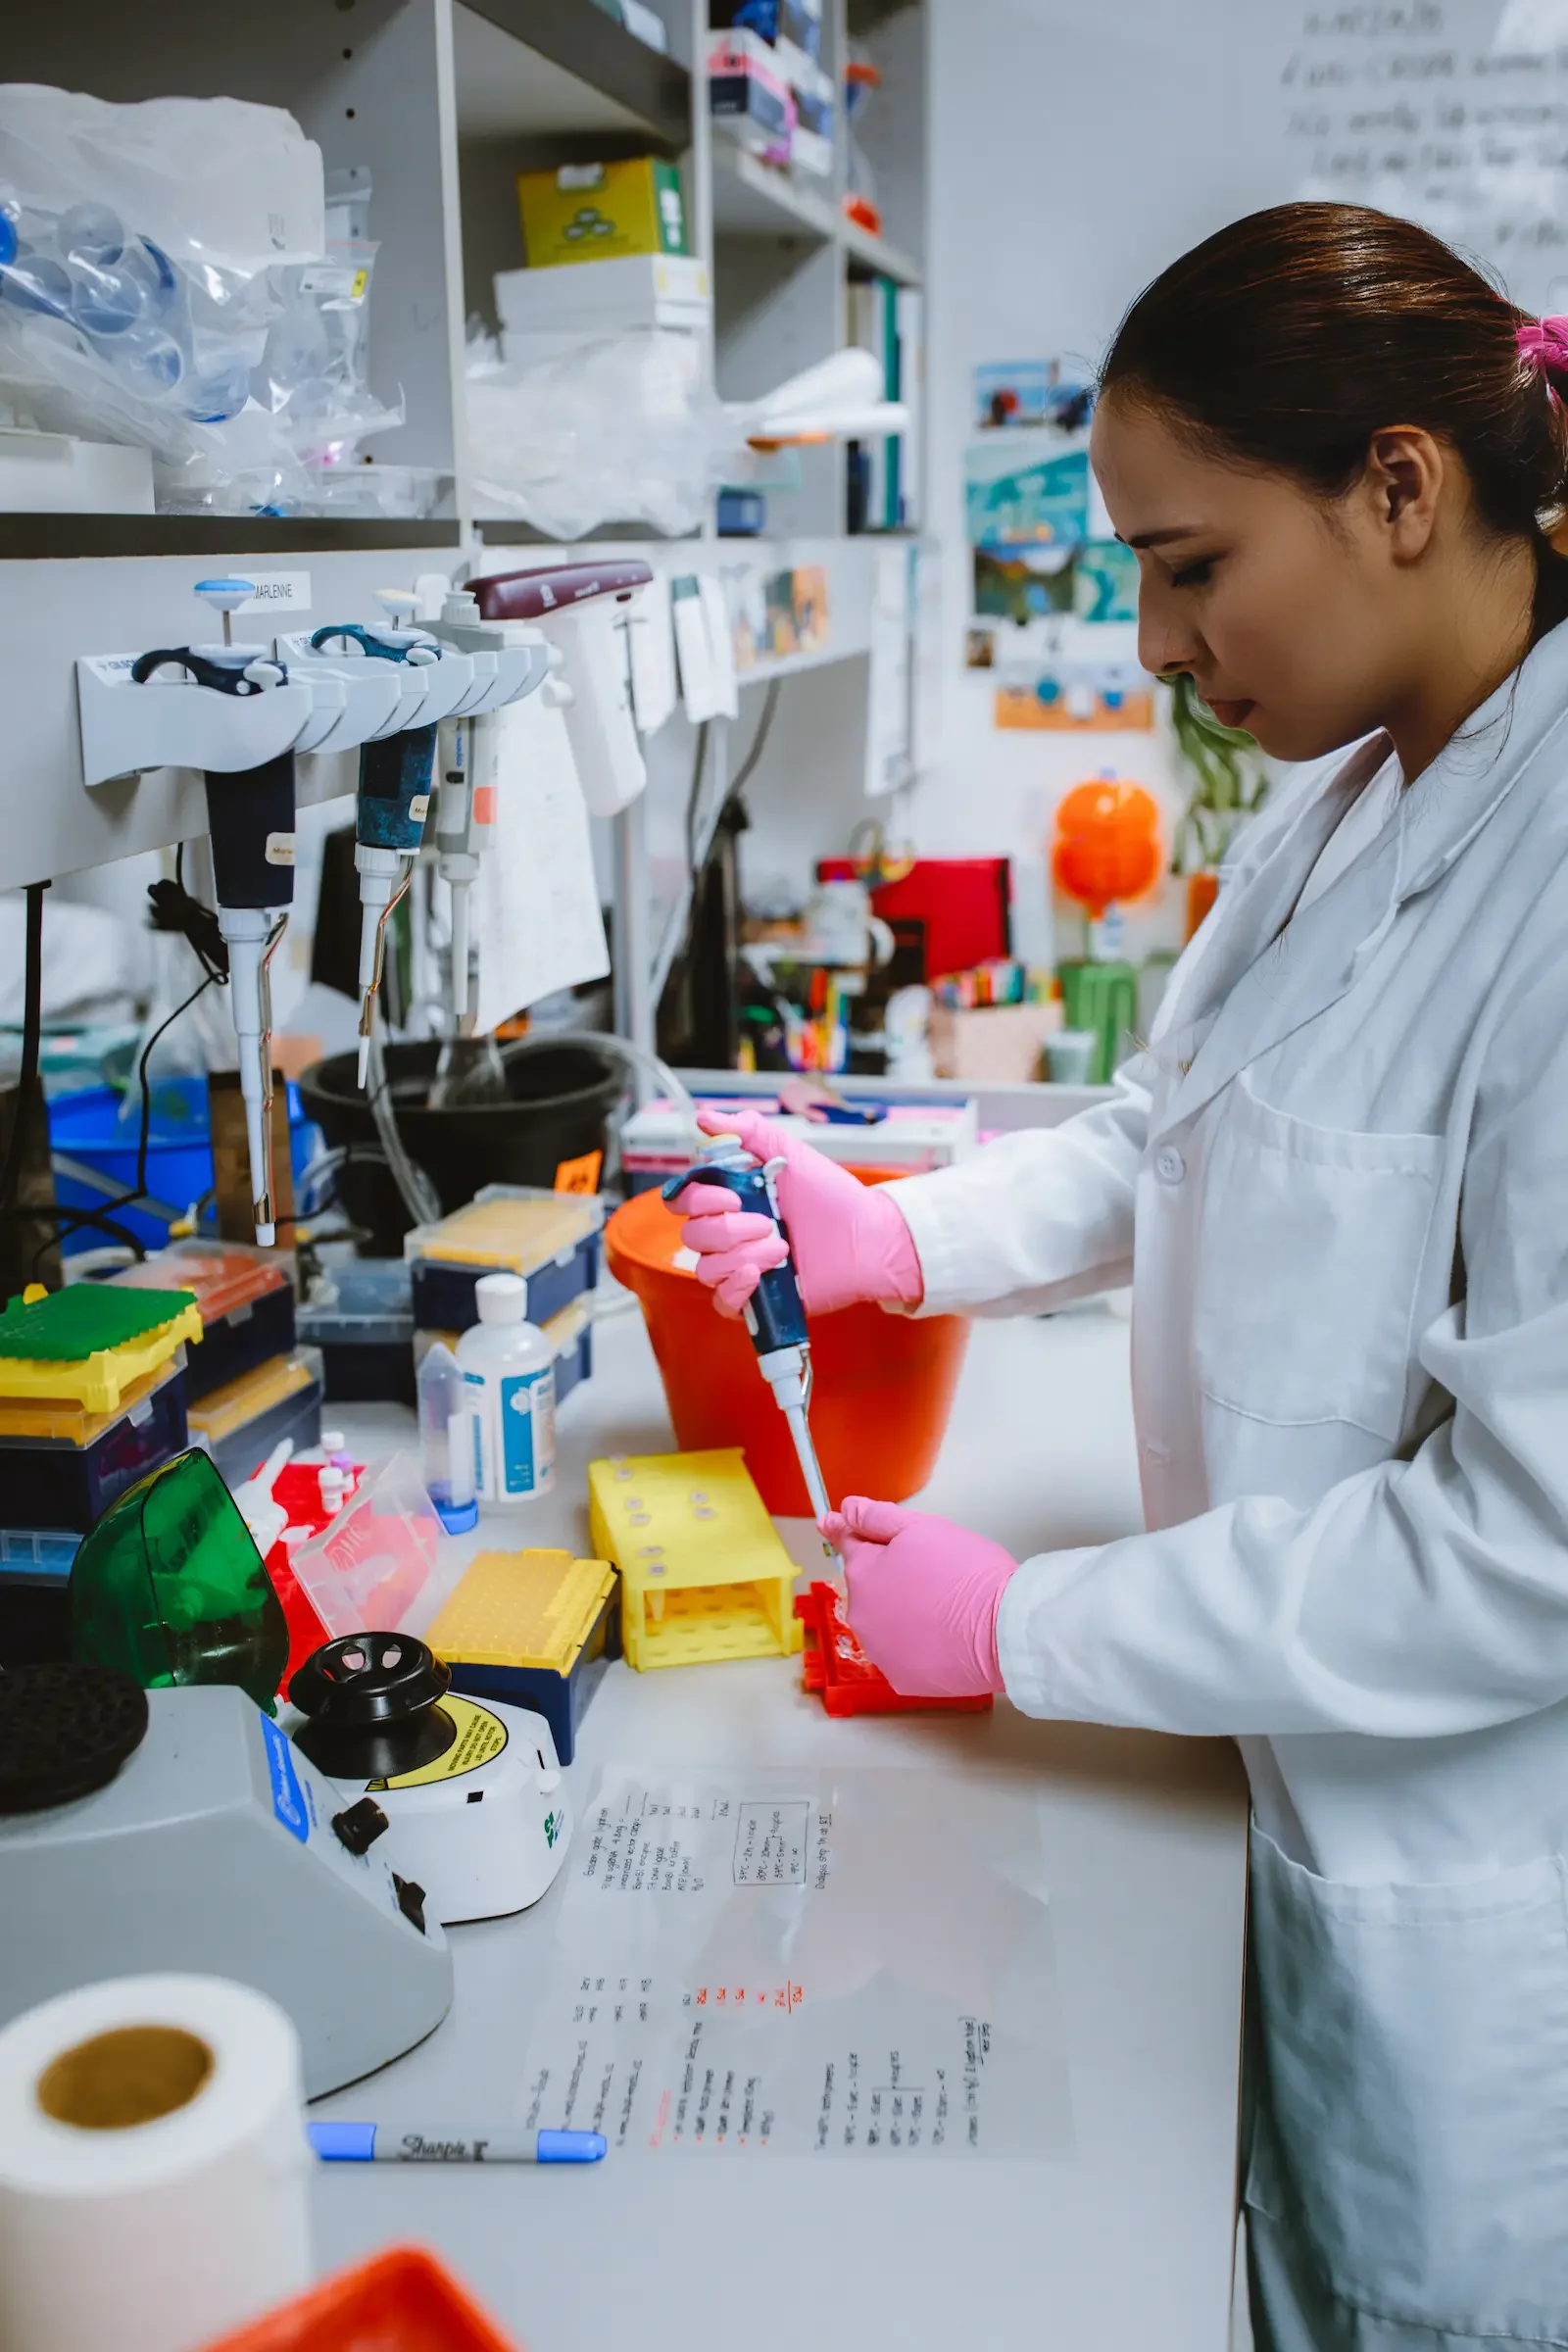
{"type": "Point", "coordinates": [35, 1590]}
{"type": "Point", "coordinates": [383, 1564]}
{"type": "Point", "coordinates": [240, 1424]}
{"type": "Point", "coordinates": [838, 1669]}
{"type": "Point", "coordinates": [401, 2300]}
{"type": "Point", "coordinates": [572, 1335]}
{"type": "Point", "coordinates": [91, 1343]}
{"type": "Point", "coordinates": [361, 1317]}
{"type": "Point", "coordinates": [62, 1465]}
{"type": "Point", "coordinates": [246, 1300]}
{"type": "Point", "coordinates": [550, 1238]}
{"type": "Point", "coordinates": [535, 1627]}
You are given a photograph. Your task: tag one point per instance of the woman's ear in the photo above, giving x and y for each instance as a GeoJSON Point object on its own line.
{"type": "Point", "coordinates": [1404, 478]}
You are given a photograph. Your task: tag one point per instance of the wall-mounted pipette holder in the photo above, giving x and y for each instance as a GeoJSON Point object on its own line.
{"type": "Point", "coordinates": [353, 701]}
{"type": "Point", "coordinates": [444, 675]}
{"type": "Point", "coordinates": [175, 715]}
{"type": "Point", "coordinates": [399, 686]}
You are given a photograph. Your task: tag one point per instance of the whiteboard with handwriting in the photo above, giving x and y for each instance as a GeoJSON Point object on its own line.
{"type": "Point", "coordinates": [1452, 112]}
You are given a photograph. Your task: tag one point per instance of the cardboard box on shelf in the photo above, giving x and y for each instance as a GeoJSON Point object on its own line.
{"type": "Point", "coordinates": [601, 211]}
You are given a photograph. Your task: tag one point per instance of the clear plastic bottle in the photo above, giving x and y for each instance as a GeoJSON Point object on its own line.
{"type": "Point", "coordinates": [447, 1438]}
{"type": "Point", "coordinates": [508, 1368]}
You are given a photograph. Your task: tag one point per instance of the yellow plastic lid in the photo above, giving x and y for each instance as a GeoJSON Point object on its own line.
{"type": "Point", "coordinates": [255, 1393]}
{"type": "Point", "coordinates": [101, 1375]}
{"type": "Point", "coordinates": [523, 1609]}
{"type": "Point", "coordinates": [516, 1236]}
{"type": "Point", "coordinates": [66, 1420]}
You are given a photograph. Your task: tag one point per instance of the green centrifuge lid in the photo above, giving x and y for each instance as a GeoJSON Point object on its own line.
{"type": "Point", "coordinates": [170, 1588]}
{"type": "Point", "coordinates": [67, 1326]}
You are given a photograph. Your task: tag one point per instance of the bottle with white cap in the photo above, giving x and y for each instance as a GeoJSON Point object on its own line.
{"type": "Point", "coordinates": [508, 1368]}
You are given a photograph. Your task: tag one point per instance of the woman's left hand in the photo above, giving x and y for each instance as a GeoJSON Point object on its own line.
{"type": "Point", "coordinates": [923, 1596]}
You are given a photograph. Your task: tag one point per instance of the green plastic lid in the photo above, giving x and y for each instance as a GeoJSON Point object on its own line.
{"type": "Point", "coordinates": [68, 1326]}
{"type": "Point", "coordinates": [170, 1588]}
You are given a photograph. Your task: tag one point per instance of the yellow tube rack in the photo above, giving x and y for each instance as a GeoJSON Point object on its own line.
{"type": "Point", "coordinates": [703, 1573]}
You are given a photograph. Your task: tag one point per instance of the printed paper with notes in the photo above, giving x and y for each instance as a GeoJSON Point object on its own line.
{"type": "Point", "coordinates": [854, 1962]}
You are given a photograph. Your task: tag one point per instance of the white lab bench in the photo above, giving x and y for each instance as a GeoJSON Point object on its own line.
{"type": "Point", "coordinates": [1119, 2246]}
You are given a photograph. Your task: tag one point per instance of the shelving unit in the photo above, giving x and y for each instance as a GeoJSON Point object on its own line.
{"type": "Point", "coordinates": [445, 101]}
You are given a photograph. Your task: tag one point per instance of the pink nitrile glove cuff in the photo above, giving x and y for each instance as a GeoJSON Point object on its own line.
{"type": "Point", "coordinates": [887, 1264]}
{"type": "Point", "coordinates": [923, 1596]}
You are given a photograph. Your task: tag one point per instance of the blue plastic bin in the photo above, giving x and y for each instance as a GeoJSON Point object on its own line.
{"type": "Point", "coordinates": [86, 1126]}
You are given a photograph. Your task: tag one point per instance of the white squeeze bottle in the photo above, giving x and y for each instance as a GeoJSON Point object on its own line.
{"type": "Point", "coordinates": [510, 1369]}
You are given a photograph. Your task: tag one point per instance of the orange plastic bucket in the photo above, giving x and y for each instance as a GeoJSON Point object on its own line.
{"type": "Point", "coordinates": [882, 1385]}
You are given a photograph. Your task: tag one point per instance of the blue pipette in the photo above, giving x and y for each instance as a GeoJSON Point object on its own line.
{"type": "Point", "coordinates": [775, 1315]}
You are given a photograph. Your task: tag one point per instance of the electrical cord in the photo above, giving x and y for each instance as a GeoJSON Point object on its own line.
{"type": "Point", "coordinates": [73, 1223]}
{"type": "Point", "coordinates": [695, 867]}
{"type": "Point", "coordinates": [31, 1042]}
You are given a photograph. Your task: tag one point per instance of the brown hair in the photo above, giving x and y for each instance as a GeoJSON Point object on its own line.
{"type": "Point", "coordinates": [1290, 338]}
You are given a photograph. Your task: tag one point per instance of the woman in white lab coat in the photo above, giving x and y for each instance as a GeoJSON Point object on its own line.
{"type": "Point", "coordinates": [1338, 1181]}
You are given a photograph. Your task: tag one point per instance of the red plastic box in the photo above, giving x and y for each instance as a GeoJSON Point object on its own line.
{"type": "Point", "coordinates": [400, 2301]}
{"type": "Point", "coordinates": [836, 1667]}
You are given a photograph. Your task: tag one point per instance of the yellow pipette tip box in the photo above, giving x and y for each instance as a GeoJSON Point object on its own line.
{"type": "Point", "coordinates": [534, 1628]}
{"type": "Point", "coordinates": [523, 1609]}
{"type": "Point", "coordinates": [91, 1344]}
{"type": "Point", "coordinates": [704, 1575]}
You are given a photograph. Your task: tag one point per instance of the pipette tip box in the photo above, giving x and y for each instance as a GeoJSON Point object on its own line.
{"type": "Point", "coordinates": [361, 1317]}
{"type": "Point", "coordinates": [550, 1238]}
{"type": "Point", "coordinates": [35, 1590]}
{"type": "Point", "coordinates": [570, 1334]}
{"type": "Point", "coordinates": [91, 1343]}
{"type": "Point", "coordinates": [535, 1627]}
{"type": "Point", "coordinates": [838, 1669]}
{"type": "Point", "coordinates": [246, 1301]}
{"type": "Point", "coordinates": [703, 1573]}
{"type": "Point", "coordinates": [62, 1464]}
{"type": "Point", "coordinates": [240, 1423]}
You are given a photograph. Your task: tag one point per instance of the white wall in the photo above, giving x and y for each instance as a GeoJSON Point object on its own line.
{"type": "Point", "coordinates": [1074, 149]}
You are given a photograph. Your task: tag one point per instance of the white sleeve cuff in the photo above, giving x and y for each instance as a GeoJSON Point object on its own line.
{"type": "Point", "coordinates": [937, 1237]}
{"type": "Point", "coordinates": [1022, 1652]}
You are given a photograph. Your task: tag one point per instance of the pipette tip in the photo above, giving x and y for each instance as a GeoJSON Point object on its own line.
{"type": "Point", "coordinates": [265, 1235]}
{"type": "Point", "coordinates": [365, 1061]}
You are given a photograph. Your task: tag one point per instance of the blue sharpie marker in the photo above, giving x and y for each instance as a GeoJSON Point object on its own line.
{"type": "Point", "coordinates": [400, 2143]}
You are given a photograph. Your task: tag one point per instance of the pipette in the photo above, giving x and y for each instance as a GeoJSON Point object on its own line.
{"type": "Point", "coordinates": [775, 1315]}
{"type": "Point", "coordinates": [250, 814]}
{"type": "Point", "coordinates": [464, 811]}
{"type": "Point", "coordinates": [393, 800]}
{"type": "Point", "coordinates": [582, 608]}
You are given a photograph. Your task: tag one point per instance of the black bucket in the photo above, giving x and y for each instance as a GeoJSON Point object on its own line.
{"type": "Point", "coordinates": [562, 1092]}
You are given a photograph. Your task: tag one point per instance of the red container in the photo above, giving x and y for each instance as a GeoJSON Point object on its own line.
{"type": "Point", "coordinates": [400, 2301]}
{"type": "Point", "coordinates": [882, 1385]}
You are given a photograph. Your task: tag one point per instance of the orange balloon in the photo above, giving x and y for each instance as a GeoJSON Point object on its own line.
{"type": "Point", "coordinates": [1108, 845]}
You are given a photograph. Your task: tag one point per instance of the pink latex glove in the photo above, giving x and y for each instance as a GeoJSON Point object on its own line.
{"type": "Point", "coordinates": [923, 1596]}
{"type": "Point", "coordinates": [849, 1242]}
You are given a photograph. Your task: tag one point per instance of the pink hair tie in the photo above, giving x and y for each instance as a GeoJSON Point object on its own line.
{"type": "Point", "coordinates": [1542, 344]}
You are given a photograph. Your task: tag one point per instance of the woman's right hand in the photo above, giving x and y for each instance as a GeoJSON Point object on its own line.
{"type": "Point", "coordinates": [847, 1239]}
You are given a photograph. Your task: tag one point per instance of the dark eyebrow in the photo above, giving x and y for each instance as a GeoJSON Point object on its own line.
{"type": "Point", "coordinates": [1181, 530]}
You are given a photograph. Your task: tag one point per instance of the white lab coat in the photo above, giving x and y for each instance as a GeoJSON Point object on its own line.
{"type": "Point", "coordinates": [1338, 1181]}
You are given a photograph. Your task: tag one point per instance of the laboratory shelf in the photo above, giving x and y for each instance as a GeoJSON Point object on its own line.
{"type": "Point", "coordinates": [874, 256]}
{"type": "Point", "coordinates": [560, 69]}
{"type": "Point", "coordinates": [752, 199]}
{"type": "Point", "coordinates": [44, 538]}
{"type": "Point", "coordinates": [508, 530]}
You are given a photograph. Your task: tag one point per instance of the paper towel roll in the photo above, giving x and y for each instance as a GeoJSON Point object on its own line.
{"type": "Point", "coordinates": [154, 2170]}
